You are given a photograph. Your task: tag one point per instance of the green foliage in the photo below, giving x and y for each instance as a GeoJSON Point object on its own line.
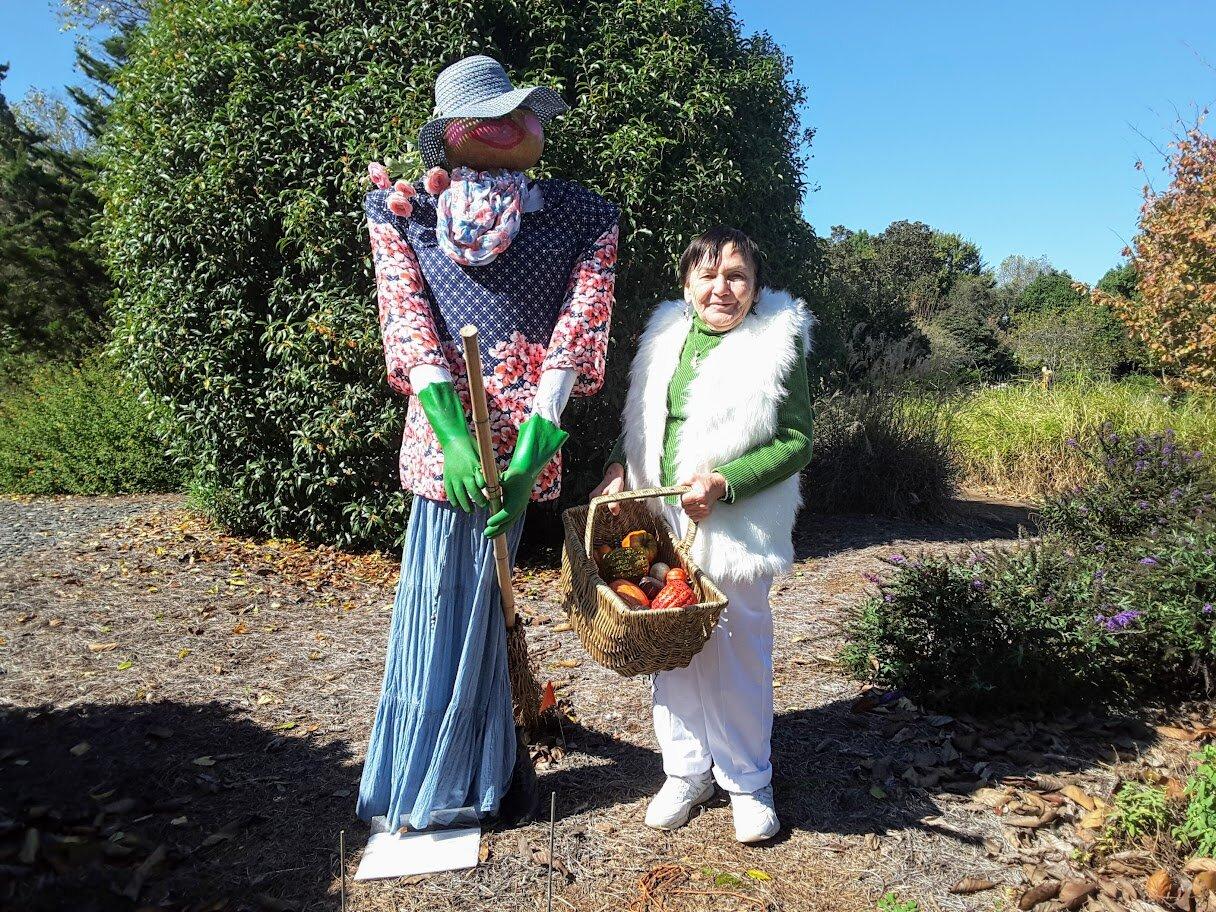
{"type": "Point", "coordinates": [1198, 828]}
{"type": "Point", "coordinates": [875, 453]}
{"type": "Point", "coordinates": [1140, 810]}
{"type": "Point", "coordinates": [1052, 291]}
{"type": "Point", "coordinates": [890, 902]}
{"type": "Point", "coordinates": [1121, 281]}
{"type": "Point", "coordinates": [234, 176]}
{"type": "Point", "coordinates": [52, 288]}
{"type": "Point", "coordinates": [963, 335]}
{"type": "Point", "coordinates": [77, 429]}
{"type": "Point", "coordinates": [1083, 339]}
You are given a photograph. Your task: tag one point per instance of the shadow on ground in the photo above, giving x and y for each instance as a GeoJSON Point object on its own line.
{"type": "Point", "coordinates": [168, 805]}
{"type": "Point", "coordinates": [845, 772]}
{"type": "Point", "coordinates": [821, 535]}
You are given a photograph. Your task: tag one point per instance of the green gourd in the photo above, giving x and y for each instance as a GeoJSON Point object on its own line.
{"type": "Point", "coordinates": [625, 563]}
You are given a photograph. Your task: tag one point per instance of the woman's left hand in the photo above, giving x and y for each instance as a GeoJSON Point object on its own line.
{"type": "Point", "coordinates": [705, 490]}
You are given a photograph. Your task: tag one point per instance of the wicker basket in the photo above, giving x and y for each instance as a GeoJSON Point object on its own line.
{"type": "Point", "coordinates": [627, 640]}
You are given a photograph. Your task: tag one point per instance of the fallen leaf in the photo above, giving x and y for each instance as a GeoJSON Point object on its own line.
{"type": "Point", "coordinates": [80, 749]}
{"type": "Point", "coordinates": [1095, 819]}
{"type": "Point", "coordinates": [1048, 889]}
{"type": "Point", "coordinates": [548, 698]}
{"type": "Point", "coordinates": [1074, 893]}
{"type": "Point", "coordinates": [757, 874]}
{"type": "Point", "coordinates": [1203, 883]}
{"type": "Point", "coordinates": [240, 628]}
{"type": "Point", "coordinates": [969, 885]}
{"type": "Point", "coordinates": [878, 792]}
{"type": "Point", "coordinates": [203, 761]}
{"type": "Point", "coordinates": [1159, 886]}
{"type": "Point", "coordinates": [561, 628]}
{"type": "Point", "coordinates": [568, 663]}
{"type": "Point", "coordinates": [1199, 863]}
{"type": "Point", "coordinates": [141, 873]}
{"type": "Point", "coordinates": [1078, 796]}
{"type": "Point", "coordinates": [29, 847]}
{"type": "Point", "coordinates": [125, 664]}
{"type": "Point", "coordinates": [102, 647]}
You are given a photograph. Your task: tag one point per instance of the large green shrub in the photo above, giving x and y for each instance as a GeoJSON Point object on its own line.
{"type": "Point", "coordinates": [234, 176]}
{"type": "Point", "coordinates": [77, 429]}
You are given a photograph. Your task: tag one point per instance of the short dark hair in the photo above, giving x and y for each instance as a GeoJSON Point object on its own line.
{"type": "Point", "coordinates": [709, 246]}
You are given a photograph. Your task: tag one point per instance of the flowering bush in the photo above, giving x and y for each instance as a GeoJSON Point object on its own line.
{"type": "Point", "coordinates": [1105, 609]}
{"type": "Point", "coordinates": [1145, 484]}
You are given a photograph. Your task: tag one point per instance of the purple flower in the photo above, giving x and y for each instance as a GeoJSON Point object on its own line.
{"type": "Point", "coordinates": [897, 559]}
{"type": "Point", "coordinates": [1149, 561]}
{"type": "Point", "coordinates": [888, 597]}
{"type": "Point", "coordinates": [1072, 442]}
{"type": "Point", "coordinates": [1141, 465]}
{"type": "Point", "coordinates": [978, 585]}
{"type": "Point", "coordinates": [872, 578]}
{"type": "Point", "coordinates": [1118, 621]}
{"type": "Point", "coordinates": [1207, 608]}
{"type": "Point", "coordinates": [1141, 504]}
{"type": "Point", "coordinates": [1099, 574]}
{"type": "Point", "coordinates": [1049, 600]}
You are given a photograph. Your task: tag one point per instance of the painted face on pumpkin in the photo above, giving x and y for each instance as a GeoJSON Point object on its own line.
{"type": "Point", "coordinates": [513, 142]}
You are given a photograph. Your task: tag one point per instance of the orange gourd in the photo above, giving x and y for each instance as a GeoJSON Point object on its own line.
{"type": "Point", "coordinates": [633, 596]}
{"type": "Point", "coordinates": [676, 594]}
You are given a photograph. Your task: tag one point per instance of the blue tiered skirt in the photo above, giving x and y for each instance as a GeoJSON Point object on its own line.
{"type": "Point", "coordinates": [444, 735]}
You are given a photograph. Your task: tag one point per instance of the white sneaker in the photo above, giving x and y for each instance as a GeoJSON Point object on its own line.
{"type": "Point", "coordinates": [755, 816]}
{"type": "Point", "coordinates": [672, 806]}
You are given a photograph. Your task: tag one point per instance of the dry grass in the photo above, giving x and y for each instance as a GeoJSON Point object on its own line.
{"type": "Point", "coordinates": [1013, 438]}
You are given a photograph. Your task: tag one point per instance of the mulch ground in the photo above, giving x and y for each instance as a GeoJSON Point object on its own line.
{"type": "Point", "coordinates": [183, 716]}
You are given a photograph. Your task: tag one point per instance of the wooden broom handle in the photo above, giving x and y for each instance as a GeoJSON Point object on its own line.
{"type": "Point", "coordinates": [489, 467]}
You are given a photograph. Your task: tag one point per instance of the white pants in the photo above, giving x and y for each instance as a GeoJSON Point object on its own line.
{"type": "Point", "coordinates": [718, 712]}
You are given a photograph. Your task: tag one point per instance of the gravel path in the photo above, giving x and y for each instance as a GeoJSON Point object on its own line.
{"type": "Point", "coordinates": [34, 524]}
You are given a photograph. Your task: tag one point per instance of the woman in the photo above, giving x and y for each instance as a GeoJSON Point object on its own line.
{"type": "Point", "coordinates": [719, 401]}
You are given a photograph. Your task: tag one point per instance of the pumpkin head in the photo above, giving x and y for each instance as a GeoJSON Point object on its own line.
{"type": "Point", "coordinates": [512, 142]}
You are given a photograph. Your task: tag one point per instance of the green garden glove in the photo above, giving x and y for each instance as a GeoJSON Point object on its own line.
{"type": "Point", "coordinates": [539, 439]}
{"type": "Point", "coordinates": [462, 478]}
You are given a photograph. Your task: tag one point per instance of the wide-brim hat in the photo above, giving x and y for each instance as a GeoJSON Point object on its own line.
{"type": "Point", "coordinates": [479, 87]}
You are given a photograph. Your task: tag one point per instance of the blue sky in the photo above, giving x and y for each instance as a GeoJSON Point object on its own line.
{"type": "Point", "coordinates": [1015, 125]}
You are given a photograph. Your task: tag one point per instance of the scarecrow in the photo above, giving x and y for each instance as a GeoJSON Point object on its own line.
{"type": "Point", "coordinates": [531, 264]}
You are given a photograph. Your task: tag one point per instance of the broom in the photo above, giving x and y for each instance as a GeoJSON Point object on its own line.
{"type": "Point", "coordinates": [525, 691]}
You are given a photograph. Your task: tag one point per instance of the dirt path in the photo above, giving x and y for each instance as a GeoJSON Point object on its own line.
{"type": "Point", "coordinates": [198, 705]}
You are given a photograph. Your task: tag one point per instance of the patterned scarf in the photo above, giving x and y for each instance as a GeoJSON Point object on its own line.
{"type": "Point", "coordinates": [478, 214]}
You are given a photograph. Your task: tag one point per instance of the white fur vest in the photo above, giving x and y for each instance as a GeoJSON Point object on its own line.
{"type": "Point", "coordinates": [731, 408]}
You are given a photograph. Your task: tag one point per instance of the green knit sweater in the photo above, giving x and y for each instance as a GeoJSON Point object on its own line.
{"type": "Point", "coordinates": [786, 454]}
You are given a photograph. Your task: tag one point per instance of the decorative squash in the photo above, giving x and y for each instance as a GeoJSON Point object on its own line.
{"type": "Point", "coordinates": [650, 586]}
{"type": "Point", "coordinates": [644, 540]}
{"type": "Point", "coordinates": [633, 596]}
{"type": "Point", "coordinates": [675, 594]}
{"type": "Point", "coordinates": [658, 570]}
{"type": "Point", "coordinates": [676, 575]}
{"type": "Point", "coordinates": [624, 563]}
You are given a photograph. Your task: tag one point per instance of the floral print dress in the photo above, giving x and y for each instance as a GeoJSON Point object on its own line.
{"type": "Point", "coordinates": [545, 302]}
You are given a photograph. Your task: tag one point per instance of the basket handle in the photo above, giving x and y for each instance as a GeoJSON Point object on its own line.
{"type": "Point", "coordinates": [641, 494]}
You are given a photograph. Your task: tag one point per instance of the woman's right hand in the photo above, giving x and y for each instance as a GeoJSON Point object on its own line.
{"type": "Point", "coordinates": [613, 483]}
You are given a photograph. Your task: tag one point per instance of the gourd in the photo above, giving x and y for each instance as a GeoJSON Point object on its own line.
{"type": "Point", "coordinates": [644, 540]}
{"type": "Point", "coordinates": [650, 586]}
{"type": "Point", "coordinates": [676, 594]}
{"type": "Point", "coordinates": [658, 570]}
{"type": "Point", "coordinates": [625, 563]}
{"type": "Point", "coordinates": [676, 575]}
{"type": "Point", "coordinates": [632, 595]}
